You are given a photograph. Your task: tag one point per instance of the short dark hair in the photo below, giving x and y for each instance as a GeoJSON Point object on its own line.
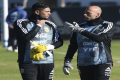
{"type": "Point", "coordinates": [20, 4]}
{"type": "Point", "coordinates": [13, 5]}
{"type": "Point", "coordinates": [39, 6]}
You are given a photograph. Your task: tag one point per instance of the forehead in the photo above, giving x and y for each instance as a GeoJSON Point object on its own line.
{"type": "Point", "coordinates": [46, 9]}
{"type": "Point", "coordinates": [90, 10]}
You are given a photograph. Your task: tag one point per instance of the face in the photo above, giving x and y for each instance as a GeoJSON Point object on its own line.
{"type": "Point", "coordinates": [90, 14]}
{"type": "Point", "coordinates": [45, 13]}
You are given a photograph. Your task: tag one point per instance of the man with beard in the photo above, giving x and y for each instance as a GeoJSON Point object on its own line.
{"type": "Point", "coordinates": [37, 38]}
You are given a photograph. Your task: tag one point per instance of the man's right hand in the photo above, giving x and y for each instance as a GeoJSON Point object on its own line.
{"type": "Point", "coordinates": [11, 26]}
{"type": "Point", "coordinates": [41, 22]}
{"type": "Point", "coordinates": [73, 27]}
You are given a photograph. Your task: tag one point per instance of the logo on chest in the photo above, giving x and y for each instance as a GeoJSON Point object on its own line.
{"type": "Point", "coordinates": [47, 29]}
{"type": "Point", "coordinates": [41, 35]}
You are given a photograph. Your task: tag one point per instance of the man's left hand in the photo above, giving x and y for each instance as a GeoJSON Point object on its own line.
{"type": "Point", "coordinates": [66, 66]}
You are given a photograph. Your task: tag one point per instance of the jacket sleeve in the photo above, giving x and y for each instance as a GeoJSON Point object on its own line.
{"type": "Point", "coordinates": [8, 16]}
{"type": "Point", "coordinates": [72, 48]}
{"type": "Point", "coordinates": [7, 20]}
{"type": "Point", "coordinates": [107, 33]}
{"type": "Point", "coordinates": [22, 32]}
{"type": "Point", "coordinates": [57, 40]}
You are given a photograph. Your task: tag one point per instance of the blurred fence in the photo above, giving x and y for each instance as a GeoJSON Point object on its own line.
{"type": "Point", "coordinates": [60, 15]}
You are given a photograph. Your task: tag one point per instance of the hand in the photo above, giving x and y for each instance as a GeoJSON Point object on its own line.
{"type": "Point", "coordinates": [11, 26]}
{"type": "Point", "coordinates": [66, 66]}
{"type": "Point", "coordinates": [35, 56]}
{"type": "Point", "coordinates": [41, 22]}
{"type": "Point", "coordinates": [73, 27]}
{"type": "Point", "coordinates": [69, 26]}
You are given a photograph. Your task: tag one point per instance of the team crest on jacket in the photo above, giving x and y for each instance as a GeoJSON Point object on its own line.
{"type": "Point", "coordinates": [46, 28]}
{"type": "Point", "coordinates": [98, 30]}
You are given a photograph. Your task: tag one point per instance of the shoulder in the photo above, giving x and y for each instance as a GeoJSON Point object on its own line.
{"type": "Point", "coordinates": [107, 26]}
{"type": "Point", "coordinates": [50, 23]}
{"type": "Point", "coordinates": [22, 20]}
{"type": "Point", "coordinates": [107, 22]}
{"type": "Point", "coordinates": [21, 25]}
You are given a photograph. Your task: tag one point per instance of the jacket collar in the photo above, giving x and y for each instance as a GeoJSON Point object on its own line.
{"type": "Point", "coordinates": [34, 17]}
{"type": "Point", "coordinates": [95, 22]}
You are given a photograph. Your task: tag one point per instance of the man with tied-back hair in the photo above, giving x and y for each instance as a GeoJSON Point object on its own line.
{"type": "Point", "coordinates": [93, 41]}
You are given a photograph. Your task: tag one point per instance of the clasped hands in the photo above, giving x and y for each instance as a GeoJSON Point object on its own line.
{"type": "Point", "coordinates": [36, 52]}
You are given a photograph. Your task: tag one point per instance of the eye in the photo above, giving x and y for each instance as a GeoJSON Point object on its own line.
{"type": "Point", "coordinates": [87, 13]}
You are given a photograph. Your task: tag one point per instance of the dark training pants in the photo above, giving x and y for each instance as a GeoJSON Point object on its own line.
{"type": "Point", "coordinates": [37, 71]}
{"type": "Point", "coordinates": [95, 72]}
{"type": "Point", "coordinates": [12, 41]}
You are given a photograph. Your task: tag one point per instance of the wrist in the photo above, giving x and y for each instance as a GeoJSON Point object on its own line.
{"type": "Point", "coordinates": [81, 30]}
{"type": "Point", "coordinates": [50, 47]}
{"type": "Point", "coordinates": [39, 25]}
{"type": "Point", "coordinates": [68, 60]}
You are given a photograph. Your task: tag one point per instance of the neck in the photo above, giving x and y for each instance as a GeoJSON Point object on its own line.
{"type": "Point", "coordinates": [34, 17]}
{"type": "Point", "coordinates": [95, 22]}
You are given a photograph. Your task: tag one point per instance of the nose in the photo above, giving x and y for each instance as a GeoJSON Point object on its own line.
{"type": "Point", "coordinates": [85, 14]}
{"type": "Point", "coordinates": [50, 13]}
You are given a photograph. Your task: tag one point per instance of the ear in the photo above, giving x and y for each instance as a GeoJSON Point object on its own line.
{"type": "Point", "coordinates": [98, 15]}
{"type": "Point", "coordinates": [37, 12]}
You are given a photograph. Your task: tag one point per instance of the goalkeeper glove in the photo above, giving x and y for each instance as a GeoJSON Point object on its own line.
{"type": "Point", "coordinates": [36, 56]}
{"type": "Point", "coordinates": [73, 27]}
{"type": "Point", "coordinates": [42, 48]}
{"type": "Point", "coordinates": [36, 52]}
{"type": "Point", "coordinates": [66, 66]}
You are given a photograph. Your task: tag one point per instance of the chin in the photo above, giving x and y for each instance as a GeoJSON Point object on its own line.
{"type": "Point", "coordinates": [47, 18]}
{"type": "Point", "coordinates": [86, 20]}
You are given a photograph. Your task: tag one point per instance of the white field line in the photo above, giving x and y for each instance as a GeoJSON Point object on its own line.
{"type": "Point", "coordinates": [117, 59]}
{"type": "Point", "coordinates": [61, 53]}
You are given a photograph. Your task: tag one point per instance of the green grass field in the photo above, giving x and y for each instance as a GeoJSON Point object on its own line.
{"type": "Point", "coordinates": [9, 68]}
